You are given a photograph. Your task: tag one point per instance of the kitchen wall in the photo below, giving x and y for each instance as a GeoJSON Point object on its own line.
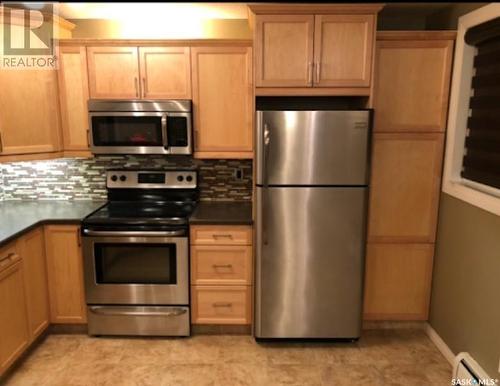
{"type": "Point", "coordinates": [84, 178]}
{"type": "Point", "coordinates": [465, 305]}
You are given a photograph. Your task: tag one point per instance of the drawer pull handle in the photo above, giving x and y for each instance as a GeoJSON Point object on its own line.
{"type": "Point", "coordinates": [222, 304]}
{"type": "Point", "coordinates": [10, 256]}
{"type": "Point", "coordinates": [228, 236]}
{"type": "Point", "coordinates": [222, 266]}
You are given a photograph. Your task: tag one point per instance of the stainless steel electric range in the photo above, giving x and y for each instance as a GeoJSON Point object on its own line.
{"type": "Point", "coordinates": [136, 254]}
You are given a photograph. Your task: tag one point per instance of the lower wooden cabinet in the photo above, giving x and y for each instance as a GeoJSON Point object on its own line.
{"type": "Point", "coordinates": [14, 331]}
{"type": "Point", "coordinates": [398, 281]}
{"type": "Point", "coordinates": [65, 274]}
{"type": "Point", "coordinates": [221, 304]}
{"type": "Point", "coordinates": [32, 249]}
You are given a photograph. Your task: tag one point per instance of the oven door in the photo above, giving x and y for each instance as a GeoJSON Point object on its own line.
{"type": "Point", "coordinates": [128, 133]}
{"type": "Point", "coordinates": [138, 269]}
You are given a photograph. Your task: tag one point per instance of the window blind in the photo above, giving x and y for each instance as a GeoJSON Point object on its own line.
{"type": "Point", "coordinates": [481, 162]}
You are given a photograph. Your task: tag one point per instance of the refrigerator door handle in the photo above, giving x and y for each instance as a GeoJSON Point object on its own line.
{"type": "Point", "coordinates": [265, 182]}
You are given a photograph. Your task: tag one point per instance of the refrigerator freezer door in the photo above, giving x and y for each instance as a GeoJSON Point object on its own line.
{"type": "Point", "coordinates": [312, 147]}
{"type": "Point", "coordinates": [310, 259]}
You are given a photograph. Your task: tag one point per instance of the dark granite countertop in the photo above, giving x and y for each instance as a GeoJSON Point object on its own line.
{"type": "Point", "coordinates": [17, 217]}
{"type": "Point", "coordinates": [218, 212]}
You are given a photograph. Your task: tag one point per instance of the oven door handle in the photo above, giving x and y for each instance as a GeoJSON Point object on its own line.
{"type": "Point", "coordinates": [87, 232]}
{"type": "Point", "coordinates": [98, 310]}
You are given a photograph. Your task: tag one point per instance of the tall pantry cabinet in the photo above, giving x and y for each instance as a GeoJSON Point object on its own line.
{"type": "Point", "coordinates": [412, 80]}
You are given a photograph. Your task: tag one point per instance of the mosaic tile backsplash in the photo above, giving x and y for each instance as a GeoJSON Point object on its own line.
{"type": "Point", "coordinates": [84, 178]}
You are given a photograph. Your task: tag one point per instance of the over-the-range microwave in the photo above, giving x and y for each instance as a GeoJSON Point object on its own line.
{"type": "Point", "coordinates": [140, 127]}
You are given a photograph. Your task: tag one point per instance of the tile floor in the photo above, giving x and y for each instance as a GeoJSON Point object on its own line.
{"type": "Point", "coordinates": [381, 357]}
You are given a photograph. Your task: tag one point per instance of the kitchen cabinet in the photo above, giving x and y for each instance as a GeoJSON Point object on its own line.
{"type": "Point", "coordinates": [165, 72]}
{"type": "Point", "coordinates": [412, 82]}
{"type": "Point", "coordinates": [74, 94]}
{"type": "Point", "coordinates": [412, 75]}
{"type": "Point", "coordinates": [29, 112]}
{"type": "Point", "coordinates": [223, 101]}
{"type": "Point", "coordinates": [314, 50]}
{"type": "Point", "coordinates": [65, 274]}
{"type": "Point", "coordinates": [221, 274]}
{"type": "Point", "coordinates": [14, 332]}
{"type": "Point", "coordinates": [130, 72]}
{"type": "Point", "coordinates": [113, 72]}
{"type": "Point", "coordinates": [405, 183]}
{"type": "Point", "coordinates": [32, 249]}
{"type": "Point", "coordinates": [398, 281]}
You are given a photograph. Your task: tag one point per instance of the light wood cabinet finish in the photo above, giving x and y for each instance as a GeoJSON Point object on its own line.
{"type": "Point", "coordinates": [165, 72]}
{"type": "Point", "coordinates": [223, 101]}
{"type": "Point", "coordinates": [412, 81]}
{"type": "Point", "coordinates": [221, 234]}
{"type": "Point", "coordinates": [343, 46]}
{"type": "Point", "coordinates": [32, 249]}
{"type": "Point", "coordinates": [405, 182]}
{"type": "Point", "coordinates": [221, 304]}
{"type": "Point", "coordinates": [65, 274]}
{"type": "Point", "coordinates": [398, 281]}
{"type": "Point", "coordinates": [74, 94]}
{"type": "Point", "coordinates": [284, 50]}
{"type": "Point", "coordinates": [14, 332]}
{"type": "Point", "coordinates": [113, 72]}
{"type": "Point", "coordinates": [221, 264]}
{"type": "Point", "coordinates": [29, 112]}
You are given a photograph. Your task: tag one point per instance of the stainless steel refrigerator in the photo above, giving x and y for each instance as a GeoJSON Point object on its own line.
{"type": "Point", "coordinates": [312, 190]}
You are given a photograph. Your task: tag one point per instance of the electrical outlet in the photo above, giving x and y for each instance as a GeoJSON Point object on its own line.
{"type": "Point", "coordinates": [238, 173]}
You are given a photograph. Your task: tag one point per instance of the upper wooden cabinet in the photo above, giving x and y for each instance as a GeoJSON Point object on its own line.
{"type": "Point", "coordinates": [284, 50]}
{"type": "Point", "coordinates": [125, 72]}
{"type": "Point", "coordinates": [74, 94]}
{"type": "Point", "coordinates": [318, 46]}
{"type": "Point", "coordinates": [343, 46]}
{"type": "Point", "coordinates": [165, 72]}
{"type": "Point", "coordinates": [405, 181]}
{"type": "Point", "coordinates": [113, 72]}
{"type": "Point", "coordinates": [412, 80]}
{"type": "Point", "coordinates": [29, 112]}
{"type": "Point", "coordinates": [223, 101]}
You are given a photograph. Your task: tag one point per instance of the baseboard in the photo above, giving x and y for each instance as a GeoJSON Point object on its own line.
{"type": "Point", "coordinates": [393, 325]}
{"type": "Point", "coordinates": [440, 344]}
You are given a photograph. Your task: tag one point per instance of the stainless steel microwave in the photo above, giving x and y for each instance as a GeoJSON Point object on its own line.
{"type": "Point", "coordinates": [140, 127]}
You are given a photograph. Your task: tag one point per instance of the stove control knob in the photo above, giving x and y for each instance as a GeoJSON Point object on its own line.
{"type": "Point", "coordinates": [180, 178]}
{"type": "Point", "coordinates": [123, 178]}
{"type": "Point", "coordinates": [114, 178]}
{"type": "Point", "coordinates": [189, 178]}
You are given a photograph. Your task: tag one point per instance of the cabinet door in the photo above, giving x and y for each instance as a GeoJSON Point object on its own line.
{"type": "Point", "coordinates": [113, 72]}
{"type": "Point", "coordinates": [343, 46]}
{"type": "Point", "coordinates": [29, 112]}
{"type": "Point", "coordinates": [405, 181]}
{"type": "Point", "coordinates": [14, 335]}
{"type": "Point", "coordinates": [74, 94]}
{"type": "Point", "coordinates": [32, 248]}
{"type": "Point", "coordinates": [412, 80]}
{"type": "Point", "coordinates": [284, 50]}
{"type": "Point", "coordinates": [398, 281]}
{"type": "Point", "coordinates": [65, 274]}
{"type": "Point", "coordinates": [165, 72]}
{"type": "Point", "coordinates": [223, 101]}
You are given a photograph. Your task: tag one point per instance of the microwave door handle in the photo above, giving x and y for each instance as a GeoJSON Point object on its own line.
{"type": "Point", "coordinates": [164, 131]}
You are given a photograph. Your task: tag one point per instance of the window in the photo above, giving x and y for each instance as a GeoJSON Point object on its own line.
{"type": "Point", "coordinates": [472, 163]}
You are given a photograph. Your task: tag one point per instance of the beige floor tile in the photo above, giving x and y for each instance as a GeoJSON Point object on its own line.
{"type": "Point", "coordinates": [296, 375]}
{"type": "Point", "coordinates": [348, 374]}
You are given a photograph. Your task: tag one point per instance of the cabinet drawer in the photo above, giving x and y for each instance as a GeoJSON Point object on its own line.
{"type": "Point", "coordinates": [225, 265]}
{"type": "Point", "coordinates": [221, 235]}
{"type": "Point", "coordinates": [221, 305]}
